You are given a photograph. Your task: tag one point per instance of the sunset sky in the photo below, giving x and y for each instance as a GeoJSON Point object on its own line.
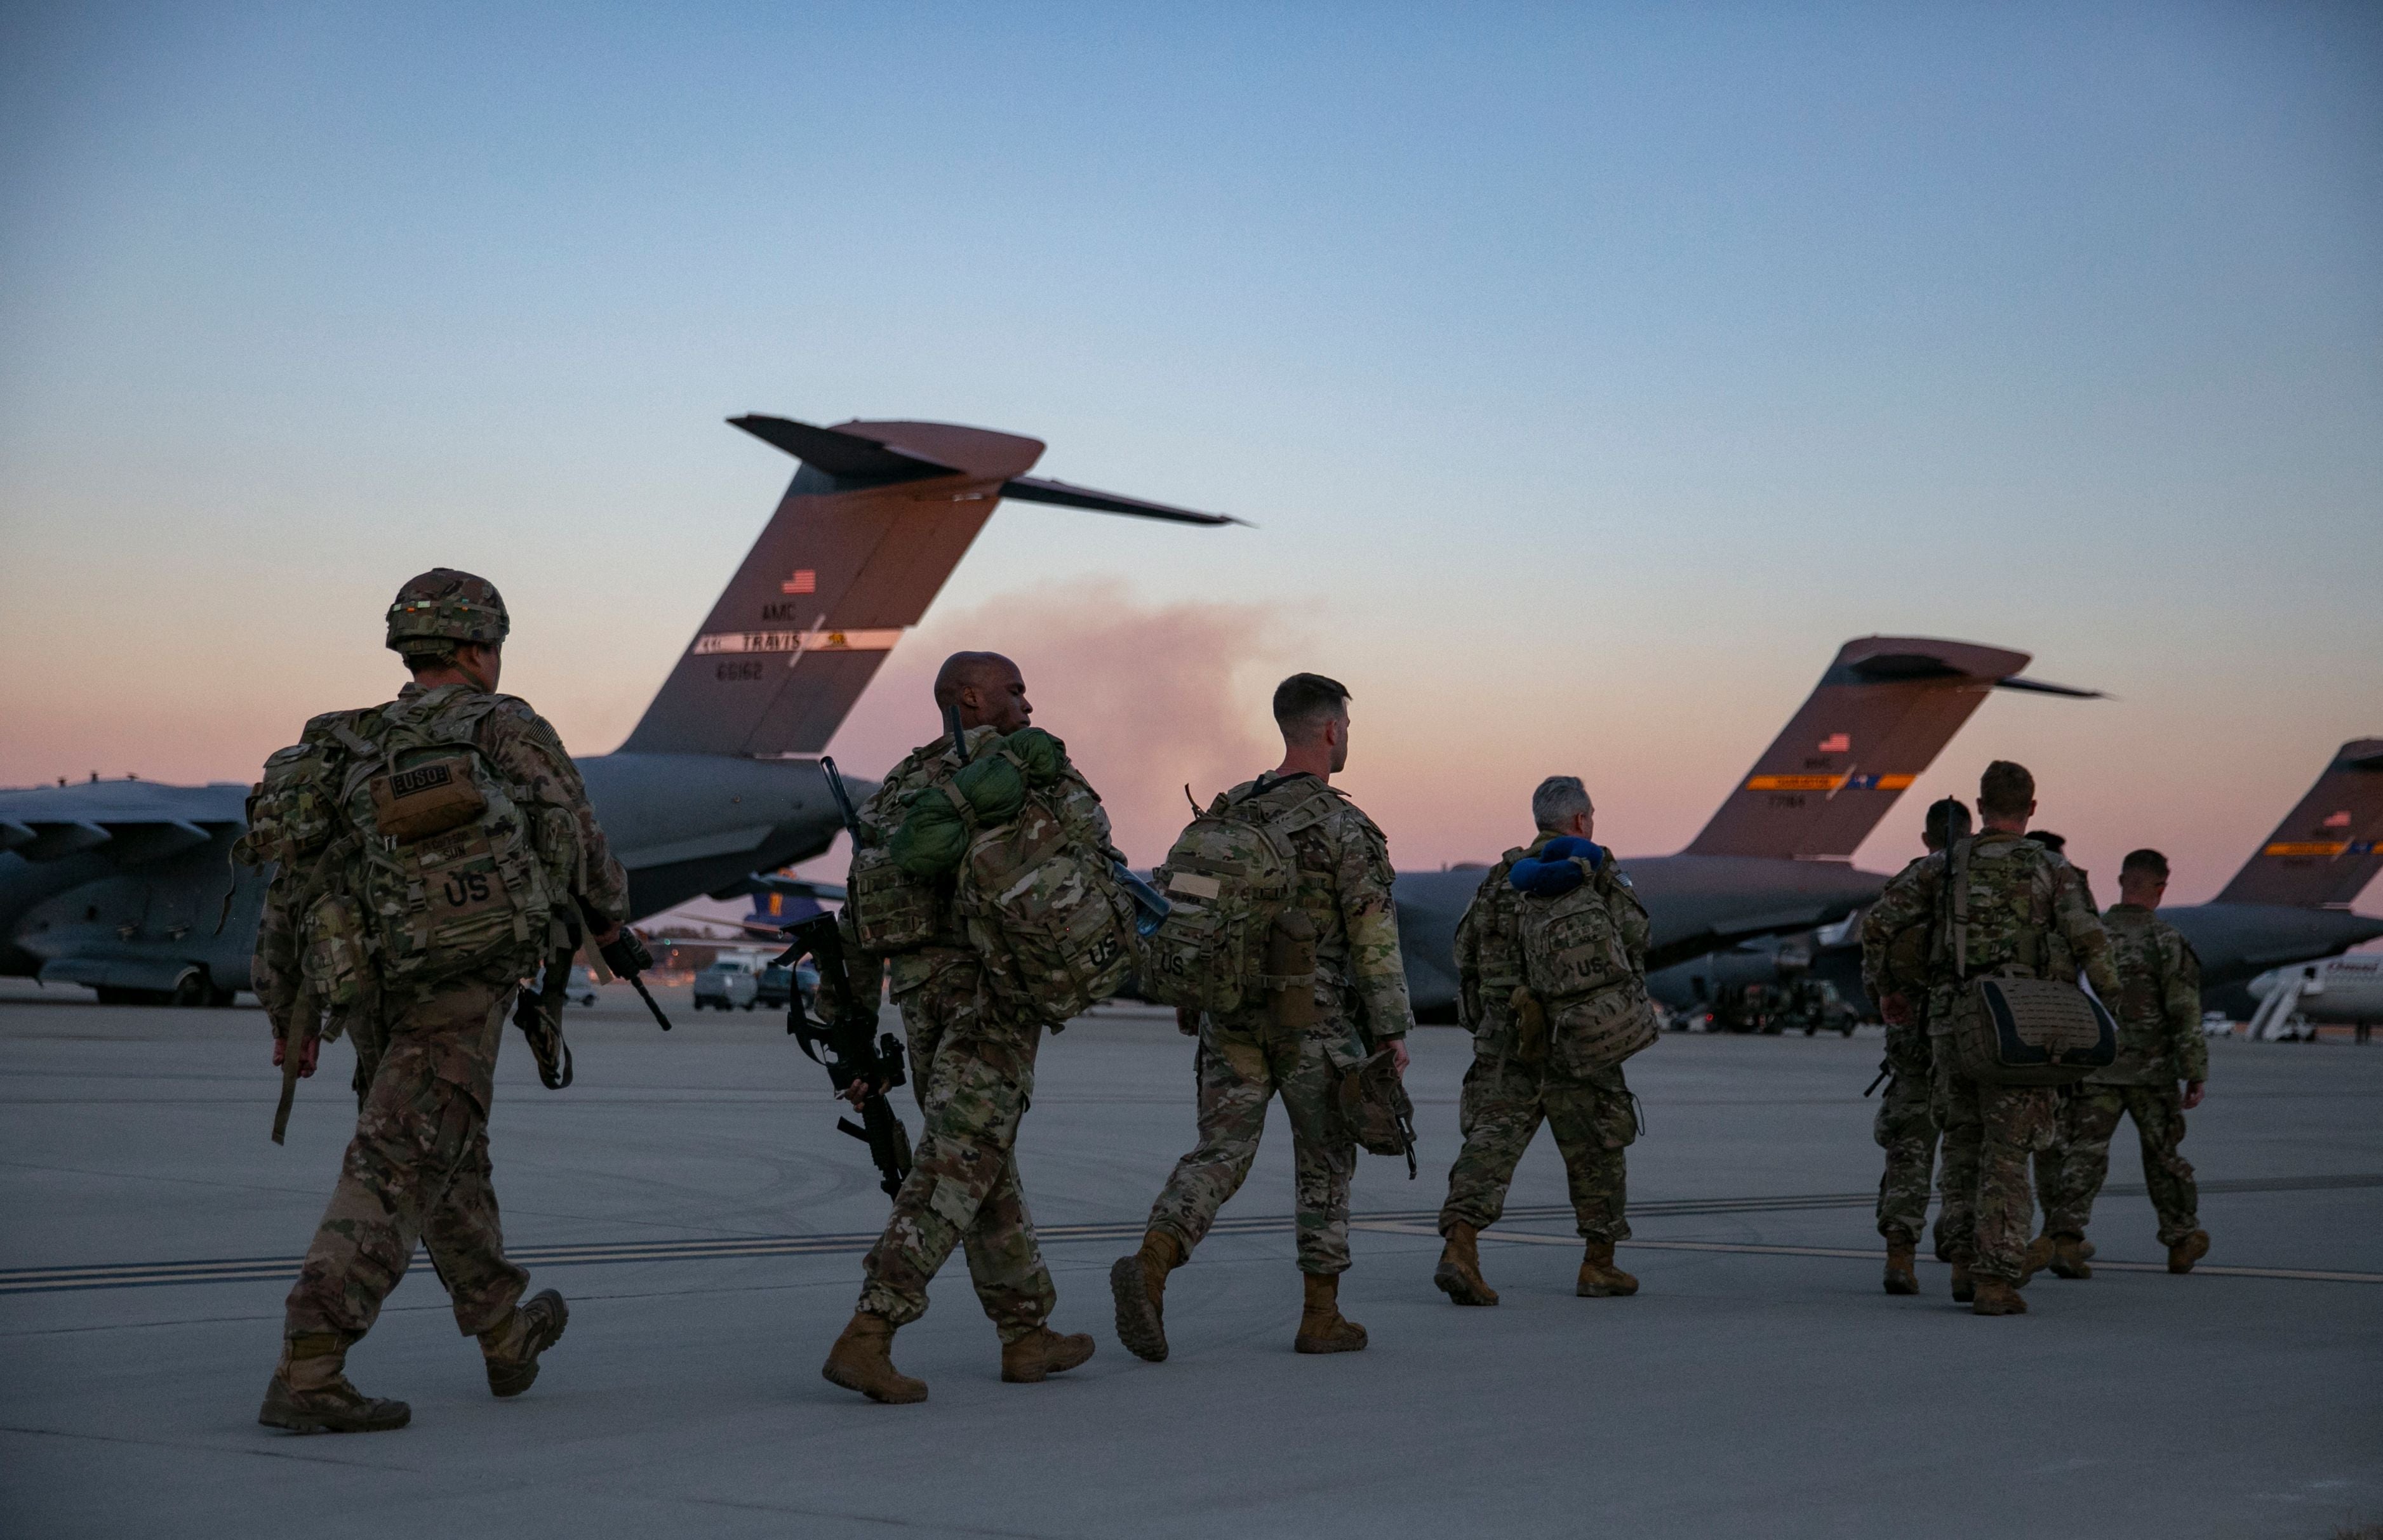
{"type": "Point", "coordinates": [1589, 373]}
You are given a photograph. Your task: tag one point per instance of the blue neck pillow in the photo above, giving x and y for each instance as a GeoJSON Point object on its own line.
{"type": "Point", "coordinates": [1555, 870]}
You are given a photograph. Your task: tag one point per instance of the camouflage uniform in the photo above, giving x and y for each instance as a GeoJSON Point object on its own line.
{"type": "Point", "coordinates": [418, 1165]}
{"type": "Point", "coordinates": [1244, 1059]}
{"type": "Point", "coordinates": [2159, 1044]}
{"type": "Point", "coordinates": [2028, 917]}
{"type": "Point", "coordinates": [1505, 1100]}
{"type": "Point", "coordinates": [1906, 1125]}
{"type": "Point", "coordinates": [972, 1068]}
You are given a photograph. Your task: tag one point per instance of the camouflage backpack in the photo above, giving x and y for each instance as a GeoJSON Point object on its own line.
{"type": "Point", "coordinates": [1230, 876]}
{"type": "Point", "coordinates": [311, 947]}
{"type": "Point", "coordinates": [446, 864]}
{"type": "Point", "coordinates": [1038, 898]}
{"type": "Point", "coordinates": [1579, 973]}
{"type": "Point", "coordinates": [2017, 1016]}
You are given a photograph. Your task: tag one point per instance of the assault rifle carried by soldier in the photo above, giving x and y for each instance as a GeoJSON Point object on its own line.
{"type": "Point", "coordinates": [427, 855]}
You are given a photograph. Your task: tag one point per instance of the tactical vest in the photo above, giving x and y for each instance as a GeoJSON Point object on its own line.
{"type": "Point", "coordinates": [1579, 972]}
{"type": "Point", "coordinates": [1235, 938]}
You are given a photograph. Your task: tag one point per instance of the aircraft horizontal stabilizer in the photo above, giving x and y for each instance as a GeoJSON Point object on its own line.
{"type": "Point", "coordinates": [1036, 489]}
{"type": "Point", "coordinates": [846, 456]}
{"type": "Point", "coordinates": [2041, 687]}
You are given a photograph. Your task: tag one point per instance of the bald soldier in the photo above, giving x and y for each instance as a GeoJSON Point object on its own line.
{"type": "Point", "coordinates": [972, 1070]}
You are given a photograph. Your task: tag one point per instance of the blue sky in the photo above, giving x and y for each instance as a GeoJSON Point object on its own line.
{"type": "Point", "coordinates": [1591, 372]}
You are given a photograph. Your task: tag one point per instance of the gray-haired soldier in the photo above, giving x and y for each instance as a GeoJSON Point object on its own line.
{"type": "Point", "coordinates": [1514, 1084]}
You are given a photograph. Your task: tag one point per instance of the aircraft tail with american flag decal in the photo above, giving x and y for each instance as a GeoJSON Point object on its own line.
{"type": "Point", "coordinates": [878, 516]}
{"type": "Point", "coordinates": [1884, 710]}
{"type": "Point", "coordinates": [2328, 847]}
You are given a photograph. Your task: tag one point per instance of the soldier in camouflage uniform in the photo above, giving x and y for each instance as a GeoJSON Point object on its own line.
{"type": "Point", "coordinates": [1905, 1126]}
{"type": "Point", "coordinates": [2028, 918]}
{"type": "Point", "coordinates": [1505, 1098]}
{"type": "Point", "coordinates": [1244, 1059]}
{"type": "Point", "coordinates": [2160, 1045]}
{"type": "Point", "coordinates": [972, 1069]}
{"type": "Point", "coordinates": [418, 1166]}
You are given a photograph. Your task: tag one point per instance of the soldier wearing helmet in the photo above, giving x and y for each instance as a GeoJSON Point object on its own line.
{"type": "Point", "coordinates": [456, 851]}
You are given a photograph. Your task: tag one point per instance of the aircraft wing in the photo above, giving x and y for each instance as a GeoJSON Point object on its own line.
{"type": "Point", "coordinates": [127, 821]}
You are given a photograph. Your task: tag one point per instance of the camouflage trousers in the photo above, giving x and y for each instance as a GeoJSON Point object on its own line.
{"type": "Point", "coordinates": [1989, 1133]}
{"type": "Point", "coordinates": [1499, 1112]}
{"type": "Point", "coordinates": [418, 1169]}
{"type": "Point", "coordinates": [1905, 1128]}
{"type": "Point", "coordinates": [2072, 1171]}
{"type": "Point", "coordinates": [1238, 1070]}
{"type": "Point", "coordinates": [972, 1068]}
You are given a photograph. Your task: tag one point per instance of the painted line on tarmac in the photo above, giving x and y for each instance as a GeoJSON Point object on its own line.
{"type": "Point", "coordinates": [1527, 1237]}
{"type": "Point", "coordinates": [158, 1275]}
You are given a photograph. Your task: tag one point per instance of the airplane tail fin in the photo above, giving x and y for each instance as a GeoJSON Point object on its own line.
{"type": "Point", "coordinates": [878, 516]}
{"type": "Point", "coordinates": [2328, 847]}
{"type": "Point", "coordinates": [1881, 713]}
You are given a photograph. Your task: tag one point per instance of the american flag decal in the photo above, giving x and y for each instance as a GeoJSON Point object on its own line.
{"type": "Point", "coordinates": [1837, 743]}
{"type": "Point", "coordinates": [803, 580]}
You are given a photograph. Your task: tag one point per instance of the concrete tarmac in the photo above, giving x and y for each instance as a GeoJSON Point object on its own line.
{"type": "Point", "coordinates": [690, 1196]}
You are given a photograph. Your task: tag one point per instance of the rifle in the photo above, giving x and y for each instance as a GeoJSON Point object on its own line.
{"type": "Point", "coordinates": [627, 955]}
{"type": "Point", "coordinates": [953, 731]}
{"type": "Point", "coordinates": [836, 788]}
{"type": "Point", "coordinates": [856, 1054]}
{"type": "Point", "coordinates": [1885, 1068]}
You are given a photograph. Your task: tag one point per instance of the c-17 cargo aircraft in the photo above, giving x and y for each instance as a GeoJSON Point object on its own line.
{"type": "Point", "coordinates": [2289, 904]}
{"type": "Point", "coordinates": [121, 885]}
{"type": "Point", "coordinates": [1775, 858]}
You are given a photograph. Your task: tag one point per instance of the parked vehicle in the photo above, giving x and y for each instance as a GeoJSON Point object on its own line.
{"type": "Point", "coordinates": [728, 984]}
{"type": "Point", "coordinates": [777, 984]}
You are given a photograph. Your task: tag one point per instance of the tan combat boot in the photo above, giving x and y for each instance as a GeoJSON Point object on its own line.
{"type": "Point", "coordinates": [511, 1350]}
{"type": "Point", "coordinates": [2038, 1257]}
{"type": "Point", "coordinates": [1322, 1327]}
{"type": "Point", "coordinates": [1900, 1277]}
{"type": "Point", "coordinates": [1965, 1288]}
{"type": "Point", "coordinates": [2185, 1252]}
{"type": "Point", "coordinates": [310, 1393]}
{"type": "Point", "coordinates": [1040, 1353]}
{"type": "Point", "coordinates": [1459, 1275]}
{"type": "Point", "coordinates": [1598, 1278]}
{"type": "Point", "coordinates": [862, 1360]}
{"type": "Point", "coordinates": [1998, 1297]}
{"type": "Point", "coordinates": [2069, 1253]}
{"type": "Point", "coordinates": [1139, 1283]}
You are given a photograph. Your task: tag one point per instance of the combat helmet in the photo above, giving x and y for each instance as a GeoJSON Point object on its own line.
{"type": "Point", "coordinates": [442, 608]}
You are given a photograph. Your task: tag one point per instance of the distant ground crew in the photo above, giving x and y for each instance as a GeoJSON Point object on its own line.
{"type": "Point", "coordinates": [430, 854]}
{"type": "Point", "coordinates": [972, 1050]}
{"type": "Point", "coordinates": [1285, 924]}
{"type": "Point", "coordinates": [2161, 1067]}
{"type": "Point", "coordinates": [1905, 1126]}
{"type": "Point", "coordinates": [2005, 908]}
{"type": "Point", "coordinates": [1538, 1054]}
